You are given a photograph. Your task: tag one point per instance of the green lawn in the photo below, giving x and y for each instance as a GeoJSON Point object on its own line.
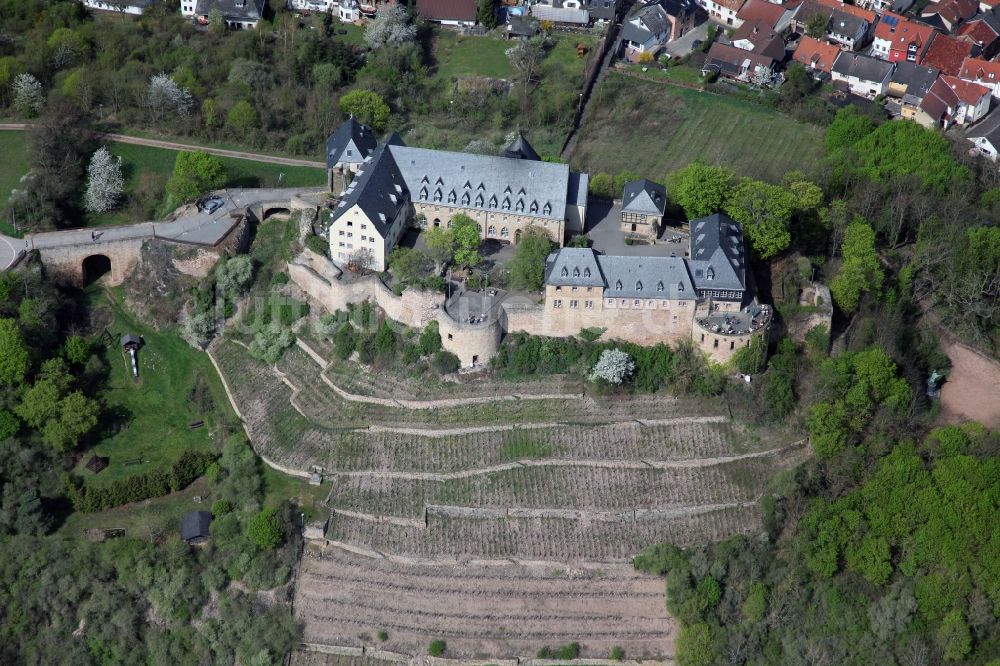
{"type": "Point", "coordinates": [13, 147]}
{"type": "Point", "coordinates": [156, 408]}
{"type": "Point", "coordinates": [143, 161]}
{"type": "Point", "coordinates": [468, 55]}
{"type": "Point", "coordinates": [652, 129]}
{"type": "Point", "coordinates": [355, 35]}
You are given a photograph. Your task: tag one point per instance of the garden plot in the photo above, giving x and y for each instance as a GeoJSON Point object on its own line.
{"type": "Point", "coordinates": [501, 610]}
{"type": "Point", "coordinates": [459, 539]}
{"type": "Point", "coordinates": [585, 489]}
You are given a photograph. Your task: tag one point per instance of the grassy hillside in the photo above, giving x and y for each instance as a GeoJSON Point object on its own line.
{"type": "Point", "coordinates": [652, 128]}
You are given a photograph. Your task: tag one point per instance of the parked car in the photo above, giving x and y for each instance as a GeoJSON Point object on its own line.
{"type": "Point", "coordinates": [211, 204]}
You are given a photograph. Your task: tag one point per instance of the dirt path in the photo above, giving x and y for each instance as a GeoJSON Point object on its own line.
{"type": "Point", "coordinates": [972, 391]}
{"type": "Point", "coordinates": [173, 145]}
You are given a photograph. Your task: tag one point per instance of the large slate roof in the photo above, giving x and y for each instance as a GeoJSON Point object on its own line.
{"type": "Point", "coordinates": [645, 197]}
{"type": "Point", "coordinates": [717, 256]}
{"type": "Point", "coordinates": [353, 136]}
{"type": "Point", "coordinates": [490, 182]}
{"type": "Point", "coordinates": [573, 267]}
{"type": "Point", "coordinates": [646, 277]}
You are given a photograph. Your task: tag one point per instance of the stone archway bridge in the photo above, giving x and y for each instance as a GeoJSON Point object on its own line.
{"type": "Point", "coordinates": [64, 253]}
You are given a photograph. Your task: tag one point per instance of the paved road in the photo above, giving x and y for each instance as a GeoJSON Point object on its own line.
{"type": "Point", "coordinates": [171, 145]}
{"type": "Point", "coordinates": [684, 45]}
{"type": "Point", "coordinates": [190, 226]}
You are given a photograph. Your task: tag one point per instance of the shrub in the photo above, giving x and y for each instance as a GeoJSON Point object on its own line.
{"type": "Point", "coordinates": [221, 508]}
{"type": "Point", "coordinates": [591, 334]}
{"type": "Point", "coordinates": [437, 648]}
{"type": "Point", "coordinates": [430, 339]}
{"type": "Point", "coordinates": [319, 245]}
{"type": "Point", "coordinates": [264, 529]}
{"type": "Point", "coordinates": [383, 635]}
{"type": "Point", "coordinates": [344, 341]}
{"type": "Point", "coordinates": [614, 367]}
{"type": "Point", "coordinates": [444, 362]}
{"type": "Point", "coordinates": [618, 653]}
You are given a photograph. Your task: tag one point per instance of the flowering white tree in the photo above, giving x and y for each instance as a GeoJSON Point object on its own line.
{"type": "Point", "coordinates": [391, 27]}
{"type": "Point", "coordinates": [104, 182]}
{"type": "Point", "coordinates": [164, 96]}
{"type": "Point", "coordinates": [614, 366]}
{"type": "Point", "coordinates": [762, 77]}
{"type": "Point", "coordinates": [28, 95]}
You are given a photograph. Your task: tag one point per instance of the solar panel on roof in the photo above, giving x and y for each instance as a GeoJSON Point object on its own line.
{"type": "Point", "coordinates": [890, 21]}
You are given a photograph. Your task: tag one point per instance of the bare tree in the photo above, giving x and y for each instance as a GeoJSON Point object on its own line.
{"type": "Point", "coordinates": [361, 260]}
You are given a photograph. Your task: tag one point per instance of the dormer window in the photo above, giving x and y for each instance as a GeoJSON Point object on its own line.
{"type": "Point", "coordinates": [519, 207]}
{"type": "Point", "coordinates": [481, 187]}
{"type": "Point", "coordinates": [534, 207]}
{"type": "Point", "coordinates": [547, 208]}
{"type": "Point", "coordinates": [423, 193]}
{"type": "Point", "coordinates": [680, 286]}
{"type": "Point", "coordinates": [506, 190]}
{"type": "Point", "coordinates": [506, 204]}
{"type": "Point", "coordinates": [618, 285]}
{"type": "Point", "coordinates": [493, 202]}
{"type": "Point", "coordinates": [439, 182]}
{"type": "Point", "coordinates": [437, 195]}
{"type": "Point", "coordinates": [520, 192]}
{"type": "Point", "coordinates": [576, 272]}
{"type": "Point", "coordinates": [424, 180]}
{"type": "Point", "coordinates": [565, 272]}
{"type": "Point", "coordinates": [586, 272]}
{"type": "Point", "coordinates": [479, 201]}
{"type": "Point", "coordinates": [451, 197]}
{"type": "Point", "coordinates": [710, 273]}
{"type": "Point", "coordinates": [465, 199]}
{"type": "Point", "coordinates": [659, 286]}
{"type": "Point", "coordinates": [467, 185]}
{"type": "Point", "coordinates": [638, 285]}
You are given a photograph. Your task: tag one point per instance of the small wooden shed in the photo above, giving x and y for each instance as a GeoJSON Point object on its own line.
{"type": "Point", "coordinates": [195, 527]}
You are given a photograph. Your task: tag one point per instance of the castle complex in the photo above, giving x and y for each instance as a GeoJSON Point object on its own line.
{"type": "Point", "coordinates": [706, 297]}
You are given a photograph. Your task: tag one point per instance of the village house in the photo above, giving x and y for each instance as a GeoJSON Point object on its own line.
{"type": "Point", "coordinates": [946, 54]}
{"type": "Point", "coordinates": [848, 26]}
{"type": "Point", "coordinates": [236, 14]}
{"type": "Point", "coordinates": [861, 75]}
{"type": "Point", "coordinates": [643, 205]}
{"type": "Point", "coordinates": [909, 83]}
{"type": "Point", "coordinates": [131, 7]}
{"type": "Point", "coordinates": [349, 11]}
{"type": "Point", "coordinates": [946, 15]}
{"type": "Point", "coordinates": [816, 55]}
{"type": "Point", "coordinates": [735, 63]}
{"type": "Point", "coordinates": [985, 137]}
{"type": "Point", "coordinates": [983, 72]}
{"type": "Point", "coordinates": [561, 12]}
{"type": "Point", "coordinates": [603, 10]}
{"type": "Point", "coordinates": [448, 12]}
{"type": "Point", "coordinates": [775, 16]}
{"type": "Point", "coordinates": [952, 101]}
{"type": "Point", "coordinates": [504, 195]}
{"type": "Point", "coordinates": [647, 32]}
{"type": "Point", "coordinates": [723, 11]}
{"type": "Point", "coordinates": [897, 38]}
{"type": "Point", "coordinates": [983, 33]}
{"type": "Point", "coordinates": [759, 39]}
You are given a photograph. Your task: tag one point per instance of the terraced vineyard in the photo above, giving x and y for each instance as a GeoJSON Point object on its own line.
{"type": "Point", "coordinates": [499, 610]}
{"type": "Point", "coordinates": [465, 489]}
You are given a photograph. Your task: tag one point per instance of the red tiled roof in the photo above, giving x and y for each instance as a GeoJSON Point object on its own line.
{"type": "Point", "coordinates": [447, 10]}
{"type": "Point", "coordinates": [735, 5]}
{"type": "Point", "coordinates": [849, 9]}
{"type": "Point", "coordinates": [938, 100]}
{"type": "Point", "coordinates": [761, 11]}
{"type": "Point", "coordinates": [979, 32]}
{"type": "Point", "coordinates": [977, 69]}
{"type": "Point", "coordinates": [946, 54]}
{"type": "Point", "coordinates": [952, 11]}
{"type": "Point", "coordinates": [816, 54]}
{"type": "Point", "coordinates": [902, 31]}
{"type": "Point", "coordinates": [967, 91]}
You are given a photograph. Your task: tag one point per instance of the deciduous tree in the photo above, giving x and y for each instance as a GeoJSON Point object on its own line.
{"type": "Point", "coordinates": [700, 189]}
{"type": "Point", "coordinates": [368, 107]}
{"type": "Point", "coordinates": [105, 182]}
{"type": "Point", "coordinates": [391, 27]}
{"type": "Point", "coordinates": [194, 174]}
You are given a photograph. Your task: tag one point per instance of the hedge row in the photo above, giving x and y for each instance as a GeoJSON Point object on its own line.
{"type": "Point", "coordinates": [154, 483]}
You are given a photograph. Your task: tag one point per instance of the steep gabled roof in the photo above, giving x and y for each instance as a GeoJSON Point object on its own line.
{"type": "Point", "coordinates": [350, 136]}
{"type": "Point", "coordinates": [761, 11]}
{"type": "Point", "coordinates": [379, 190]}
{"type": "Point", "coordinates": [853, 10]}
{"type": "Point", "coordinates": [901, 32]}
{"type": "Point", "coordinates": [816, 54]}
{"type": "Point", "coordinates": [988, 128]}
{"type": "Point", "coordinates": [520, 149]}
{"type": "Point", "coordinates": [980, 71]}
{"type": "Point", "coordinates": [195, 525]}
{"type": "Point", "coordinates": [966, 91]}
{"type": "Point", "coordinates": [979, 31]}
{"type": "Point", "coordinates": [946, 54]}
{"type": "Point", "coordinates": [728, 59]}
{"type": "Point", "coordinates": [646, 277]}
{"type": "Point", "coordinates": [862, 67]}
{"type": "Point", "coordinates": [916, 78]}
{"type": "Point", "coordinates": [644, 197]}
